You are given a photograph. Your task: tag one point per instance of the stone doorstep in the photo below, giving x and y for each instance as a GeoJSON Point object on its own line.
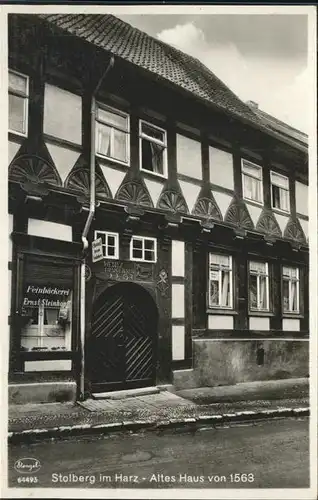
{"type": "Point", "coordinates": [187, 423]}
{"type": "Point", "coordinates": [129, 393]}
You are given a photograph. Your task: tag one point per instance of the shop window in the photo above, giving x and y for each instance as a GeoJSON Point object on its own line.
{"type": "Point", "coordinates": [112, 134]}
{"type": "Point", "coordinates": [110, 243]}
{"type": "Point", "coordinates": [252, 181]}
{"type": "Point", "coordinates": [258, 286]}
{"type": "Point", "coordinates": [220, 281]}
{"type": "Point", "coordinates": [290, 289]}
{"type": "Point", "coordinates": [18, 103]}
{"type": "Point", "coordinates": [143, 249]}
{"type": "Point", "coordinates": [280, 192]}
{"type": "Point", "coordinates": [153, 149]}
{"type": "Point", "coordinates": [46, 306]}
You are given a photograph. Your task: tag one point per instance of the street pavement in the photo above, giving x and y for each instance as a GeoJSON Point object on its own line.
{"type": "Point", "coordinates": [266, 454]}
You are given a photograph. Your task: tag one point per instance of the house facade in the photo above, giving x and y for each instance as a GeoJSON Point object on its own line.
{"type": "Point", "coordinates": [190, 266]}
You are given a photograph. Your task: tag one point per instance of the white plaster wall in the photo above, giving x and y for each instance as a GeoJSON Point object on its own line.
{"type": "Point", "coordinates": [189, 160]}
{"type": "Point", "coordinates": [223, 200]}
{"type": "Point", "coordinates": [154, 189]}
{"type": "Point", "coordinates": [113, 176]}
{"type": "Point", "coordinates": [282, 221]}
{"type": "Point", "coordinates": [301, 198]}
{"type": "Point", "coordinates": [12, 150]}
{"type": "Point", "coordinates": [62, 114]}
{"type": "Point", "coordinates": [177, 248]}
{"type": "Point", "coordinates": [304, 225]}
{"type": "Point", "coordinates": [222, 322]}
{"type": "Point", "coordinates": [178, 342]}
{"type": "Point", "coordinates": [177, 300]}
{"type": "Point", "coordinates": [221, 168]}
{"type": "Point", "coordinates": [47, 229]}
{"type": "Point", "coordinates": [64, 159]}
{"type": "Point", "coordinates": [190, 192]}
{"type": "Point", "coordinates": [48, 365]}
{"type": "Point", "coordinates": [254, 212]}
{"type": "Point", "coordinates": [291, 324]}
{"type": "Point", "coordinates": [259, 323]}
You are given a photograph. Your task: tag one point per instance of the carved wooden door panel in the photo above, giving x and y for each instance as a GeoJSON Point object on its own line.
{"type": "Point", "coordinates": [121, 350]}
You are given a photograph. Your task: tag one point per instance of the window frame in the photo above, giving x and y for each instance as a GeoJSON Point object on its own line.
{"type": "Point", "coordinates": [280, 187]}
{"type": "Point", "coordinates": [254, 310]}
{"type": "Point", "coordinates": [230, 269]}
{"type": "Point", "coordinates": [142, 136]}
{"type": "Point", "coordinates": [143, 239]}
{"type": "Point", "coordinates": [116, 111]}
{"type": "Point", "coordinates": [26, 98]}
{"type": "Point", "coordinates": [290, 280]}
{"type": "Point", "coordinates": [259, 167]}
{"type": "Point", "coordinates": [97, 234]}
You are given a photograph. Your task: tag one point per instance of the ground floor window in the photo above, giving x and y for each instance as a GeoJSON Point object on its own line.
{"type": "Point", "coordinates": [290, 289]}
{"type": "Point", "coordinates": [258, 286]}
{"type": "Point", "coordinates": [143, 249]}
{"type": "Point", "coordinates": [220, 281]}
{"type": "Point", "coordinates": [46, 305]}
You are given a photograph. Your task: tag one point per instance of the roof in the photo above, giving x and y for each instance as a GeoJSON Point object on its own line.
{"type": "Point", "coordinates": [124, 41]}
{"type": "Point", "coordinates": [282, 128]}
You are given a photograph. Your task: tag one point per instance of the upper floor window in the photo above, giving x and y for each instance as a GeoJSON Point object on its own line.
{"type": "Point", "coordinates": [290, 289]}
{"type": "Point", "coordinates": [110, 243]}
{"type": "Point", "coordinates": [280, 191]}
{"type": "Point", "coordinates": [112, 134]}
{"type": "Point", "coordinates": [252, 181]}
{"type": "Point", "coordinates": [18, 103]}
{"type": "Point", "coordinates": [143, 249]}
{"type": "Point", "coordinates": [258, 286]}
{"type": "Point", "coordinates": [220, 281]}
{"type": "Point", "coordinates": [153, 149]}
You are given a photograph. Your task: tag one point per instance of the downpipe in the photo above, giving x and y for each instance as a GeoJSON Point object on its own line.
{"type": "Point", "coordinates": [87, 226]}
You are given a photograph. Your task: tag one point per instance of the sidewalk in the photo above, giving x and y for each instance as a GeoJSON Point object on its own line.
{"type": "Point", "coordinates": [187, 409]}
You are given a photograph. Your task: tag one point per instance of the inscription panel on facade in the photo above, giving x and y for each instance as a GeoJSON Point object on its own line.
{"type": "Point", "coordinates": [116, 270]}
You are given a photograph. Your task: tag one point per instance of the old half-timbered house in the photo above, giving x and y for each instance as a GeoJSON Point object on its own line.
{"type": "Point", "coordinates": [200, 218]}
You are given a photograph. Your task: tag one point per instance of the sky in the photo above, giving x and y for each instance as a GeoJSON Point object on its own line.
{"type": "Point", "coordinates": [262, 58]}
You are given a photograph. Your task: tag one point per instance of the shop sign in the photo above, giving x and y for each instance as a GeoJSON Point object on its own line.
{"type": "Point", "coordinates": [46, 295]}
{"type": "Point", "coordinates": [97, 250]}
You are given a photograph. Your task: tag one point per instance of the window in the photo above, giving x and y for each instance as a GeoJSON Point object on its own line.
{"type": "Point", "coordinates": [46, 305]}
{"type": "Point", "coordinates": [109, 243]}
{"type": "Point", "coordinates": [258, 286]}
{"type": "Point", "coordinates": [144, 249]}
{"type": "Point", "coordinates": [290, 289]}
{"type": "Point", "coordinates": [18, 103]}
{"type": "Point", "coordinates": [220, 281]}
{"type": "Point", "coordinates": [252, 181]}
{"type": "Point", "coordinates": [153, 149]}
{"type": "Point", "coordinates": [280, 191]}
{"type": "Point", "coordinates": [112, 134]}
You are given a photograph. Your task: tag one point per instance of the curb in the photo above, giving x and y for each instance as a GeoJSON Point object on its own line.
{"type": "Point", "coordinates": [185, 424]}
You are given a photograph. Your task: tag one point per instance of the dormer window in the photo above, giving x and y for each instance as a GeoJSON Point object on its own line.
{"type": "Point", "coordinates": [153, 149]}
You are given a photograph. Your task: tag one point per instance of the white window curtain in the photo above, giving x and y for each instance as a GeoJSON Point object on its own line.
{"type": "Point", "coordinates": [225, 296]}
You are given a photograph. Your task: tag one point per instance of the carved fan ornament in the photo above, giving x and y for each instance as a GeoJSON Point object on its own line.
{"type": "Point", "coordinates": [294, 231]}
{"type": "Point", "coordinates": [207, 208]}
{"type": "Point", "coordinates": [237, 215]}
{"type": "Point", "coordinates": [268, 224]}
{"type": "Point", "coordinates": [134, 192]}
{"type": "Point", "coordinates": [33, 169]}
{"type": "Point", "coordinates": [79, 180]}
{"type": "Point", "coordinates": [172, 201]}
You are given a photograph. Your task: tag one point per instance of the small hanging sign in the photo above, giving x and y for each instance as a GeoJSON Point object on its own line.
{"type": "Point", "coordinates": [97, 250]}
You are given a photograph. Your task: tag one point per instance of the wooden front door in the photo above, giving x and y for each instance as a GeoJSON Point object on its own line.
{"type": "Point", "coordinates": [120, 353]}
